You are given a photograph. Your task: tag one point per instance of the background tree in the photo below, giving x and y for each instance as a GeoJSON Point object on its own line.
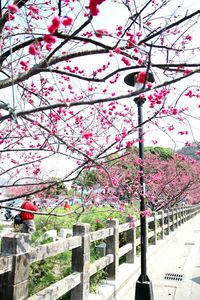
{"type": "Point", "coordinates": [62, 85]}
{"type": "Point", "coordinates": [88, 178]}
{"type": "Point", "coordinates": [192, 150]}
{"type": "Point", "coordinates": [168, 181]}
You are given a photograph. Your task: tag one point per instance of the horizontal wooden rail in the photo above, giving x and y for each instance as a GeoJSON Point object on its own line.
{"type": "Point", "coordinates": [54, 248]}
{"type": "Point", "coordinates": [100, 234]}
{"type": "Point", "coordinates": [125, 249]}
{"type": "Point", "coordinates": [101, 263]}
{"type": "Point", "coordinates": [58, 289]}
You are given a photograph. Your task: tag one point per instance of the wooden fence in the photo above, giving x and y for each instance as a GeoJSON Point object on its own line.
{"type": "Point", "coordinates": [17, 254]}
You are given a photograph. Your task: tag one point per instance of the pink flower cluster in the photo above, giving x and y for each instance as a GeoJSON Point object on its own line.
{"type": "Point", "coordinates": [126, 61]}
{"type": "Point", "coordinates": [13, 8]}
{"type": "Point", "coordinates": [55, 24]}
{"type": "Point", "coordinates": [93, 6]}
{"type": "Point", "coordinates": [145, 213]}
{"type": "Point", "coordinates": [101, 32]}
{"type": "Point", "coordinates": [36, 171]}
{"type": "Point", "coordinates": [33, 50]}
{"type": "Point", "coordinates": [141, 78]}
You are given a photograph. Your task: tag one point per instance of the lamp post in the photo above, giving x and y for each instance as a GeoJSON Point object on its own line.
{"type": "Point", "coordinates": [144, 289]}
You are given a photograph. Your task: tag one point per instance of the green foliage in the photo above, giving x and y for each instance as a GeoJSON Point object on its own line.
{"type": "Point", "coordinates": [97, 279]}
{"type": "Point", "coordinates": [87, 178]}
{"type": "Point", "coordinates": [48, 271]}
{"type": "Point", "coordinates": [164, 153]}
{"type": "Point", "coordinates": [58, 189]}
{"type": "Point", "coordinates": [95, 216]}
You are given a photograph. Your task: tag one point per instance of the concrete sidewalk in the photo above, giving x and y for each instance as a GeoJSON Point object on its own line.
{"type": "Point", "coordinates": [174, 268]}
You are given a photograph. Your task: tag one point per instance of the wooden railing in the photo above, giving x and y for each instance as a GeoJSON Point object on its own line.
{"type": "Point", "coordinates": [17, 254]}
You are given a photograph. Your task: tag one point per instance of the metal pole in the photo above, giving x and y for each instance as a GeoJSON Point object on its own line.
{"type": "Point", "coordinates": [139, 103]}
{"type": "Point", "coordinates": [144, 290]}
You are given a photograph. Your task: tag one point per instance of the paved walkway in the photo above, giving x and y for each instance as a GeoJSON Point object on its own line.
{"type": "Point", "coordinates": [179, 256]}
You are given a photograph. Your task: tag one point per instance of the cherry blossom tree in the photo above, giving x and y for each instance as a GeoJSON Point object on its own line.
{"type": "Point", "coordinates": [169, 181]}
{"type": "Point", "coordinates": [63, 94]}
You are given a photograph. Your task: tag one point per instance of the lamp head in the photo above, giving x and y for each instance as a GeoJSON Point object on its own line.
{"type": "Point", "coordinates": [131, 79]}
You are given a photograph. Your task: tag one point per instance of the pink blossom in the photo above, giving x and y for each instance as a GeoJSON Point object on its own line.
{"type": "Point", "coordinates": [126, 61]}
{"type": "Point", "coordinates": [187, 71]}
{"type": "Point", "coordinates": [148, 23]}
{"type": "Point", "coordinates": [56, 21]}
{"type": "Point", "coordinates": [87, 135]}
{"type": "Point", "coordinates": [100, 32]}
{"type": "Point", "coordinates": [9, 16]}
{"type": "Point", "coordinates": [139, 33]}
{"type": "Point", "coordinates": [174, 111]}
{"type": "Point", "coordinates": [67, 21]}
{"type": "Point", "coordinates": [145, 213]}
{"type": "Point", "coordinates": [149, 85]}
{"type": "Point", "coordinates": [36, 171]}
{"type": "Point", "coordinates": [114, 181]}
{"type": "Point", "coordinates": [93, 6]}
{"type": "Point", "coordinates": [171, 127]}
{"type": "Point", "coordinates": [33, 50]}
{"type": "Point", "coordinates": [117, 138]}
{"type": "Point", "coordinates": [183, 132]}
{"type": "Point", "coordinates": [121, 208]}
{"type": "Point", "coordinates": [14, 161]}
{"type": "Point", "coordinates": [24, 64]}
{"type": "Point", "coordinates": [33, 9]}
{"type": "Point", "coordinates": [117, 50]}
{"type": "Point", "coordinates": [13, 8]}
{"type": "Point", "coordinates": [48, 38]}
{"type": "Point", "coordinates": [48, 47]}
{"type": "Point", "coordinates": [189, 94]}
{"type": "Point", "coordinates": [140, 61]}
{"type": "Point", "coordinates": [141, 78]}
{"type": "Point", "coordinates": [52, 28]}
{"type": "Point", "coordinates": [129, 144]}
{"type": "Point", "coordinates": [188, 37]}
{"type": "Point", "coordinates": [154, 142]}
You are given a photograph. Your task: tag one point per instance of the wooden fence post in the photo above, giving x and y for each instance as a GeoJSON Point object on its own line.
{"type": "Point", "coordinates": [14, 284]}
{"type": "Point", "coordinates": [184, 219]}
{"type": "Point", "coordinates": [177, 221]}
{"type": "Point", "coordinates": [131, 238]}
{"type": "Point", "coordinates": [186, 213]}
{"type": "Point", "coordinates": [155, 228]}
{"type": "Point", "coordinates": [112, 247]}
{"type": "Point", "coordinates": [81, 262]}
{"type": "Point", "coordinates": [172, 214]}
{"type": "Point", "coordinates": [167, 221]}
{"type": "Point", "coordinates": [162, 224]}
{"type": "Point", "coordinates": [179, 215]}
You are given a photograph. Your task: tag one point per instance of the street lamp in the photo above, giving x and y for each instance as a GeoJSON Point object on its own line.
{"type": "Point", "coordinates": [144, 289]}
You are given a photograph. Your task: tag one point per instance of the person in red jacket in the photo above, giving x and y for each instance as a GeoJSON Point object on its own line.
{"type": "Point", "coordinates": [28, 217]}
